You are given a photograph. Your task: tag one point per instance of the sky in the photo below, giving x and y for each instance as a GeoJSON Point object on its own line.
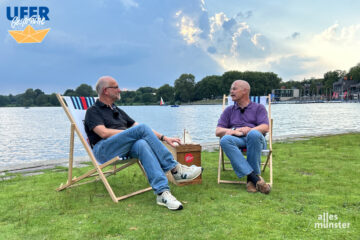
{"type": "Point", "coordinates": [152, 42]}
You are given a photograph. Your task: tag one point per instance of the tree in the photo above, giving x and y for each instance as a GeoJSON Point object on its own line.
{"type": "Point", "coordinates": [12, 99]}
{"type": "Point", "coordinates": [38, 92]}
{"type": "Point", "coordinates": [4, 101]}
{"type": "Point", "coordinates": [184, 87]}
{"type": "Point", "coordinates": [261, 82]}
{"type": "Point", "coordinates": [42, 100]}
{"type": "Point", "coordinates": [148, 98]}
{"type": "Point", "coordinates": [146, 90]}
{"type": "Point", "coordinates": [70, 92]}
{"type": "Point", "coordinates": [166, 92]}
{"type": "Point", "coordinates": [272, 81]}
{"type": "Point", "coordinates": [228, 78]}
{"type": "Point", "coordinates": [291, 84]}
{"type": "Point", "coordinates": [84, 90]}
{"type": "Point", "coordinates": [145, 95]}
{"type": "Point", "coordinates": [128, 97]}
{"type": "Point", "coordinates": [53, 100]}
{"type": "Point", "coordinates": [355, 73]}
{"type": "Point", "coordinates": [28, 98]}
{"type": "Point", "coordinates": [331, 77]}
{"type": "Point", "coordinates": [208, 87]}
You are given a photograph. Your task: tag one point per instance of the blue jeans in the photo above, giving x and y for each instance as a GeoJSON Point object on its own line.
{"type": "Point", "coordinates": [254, 142]}
{"type": "Point", "coordinates": [139, 142]}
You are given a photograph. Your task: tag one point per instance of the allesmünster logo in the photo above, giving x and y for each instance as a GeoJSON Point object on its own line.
{"type": "Point", "coordinates": [22, 18]}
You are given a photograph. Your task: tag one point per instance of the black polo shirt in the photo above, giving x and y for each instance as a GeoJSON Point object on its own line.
{"type": "Point", "coordinates": [101, 114]}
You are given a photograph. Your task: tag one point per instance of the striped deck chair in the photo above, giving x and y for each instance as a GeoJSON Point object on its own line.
{"type": "Point", "coordinates": [265, 152]}
{"type": "Point", "coordinates": [75, 109]}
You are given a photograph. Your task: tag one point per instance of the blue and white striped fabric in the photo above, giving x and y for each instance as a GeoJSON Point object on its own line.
{"type": "Point", "coordinates": [82, 103]}
{"type": "Point", "coordinates": [258, 99]}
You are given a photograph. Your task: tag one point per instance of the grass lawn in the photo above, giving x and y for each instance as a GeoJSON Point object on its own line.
{"type": "Point", "coordinates": [311, 177]}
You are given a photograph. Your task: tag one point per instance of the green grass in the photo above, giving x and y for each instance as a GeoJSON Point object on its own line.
{"type": "Point", "coordinates": [310, 177]}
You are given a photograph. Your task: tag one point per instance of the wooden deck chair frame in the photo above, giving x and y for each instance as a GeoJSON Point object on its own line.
{"type": "Point", "coordinates": [266, 152]}
{"type": "Point", "coordinates": [97, 173]}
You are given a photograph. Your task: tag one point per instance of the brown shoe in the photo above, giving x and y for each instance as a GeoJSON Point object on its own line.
{"type": "Point", "coordinates": [262, 186]}
{"type": "Point", "coordinates": [250, 187]}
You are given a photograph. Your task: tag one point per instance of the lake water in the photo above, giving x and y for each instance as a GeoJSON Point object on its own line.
{"type": "Point", "coordinates": [42, 133]}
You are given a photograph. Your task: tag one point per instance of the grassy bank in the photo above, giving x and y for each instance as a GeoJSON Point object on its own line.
{"type": "Point", "coordinates": [311, 177]}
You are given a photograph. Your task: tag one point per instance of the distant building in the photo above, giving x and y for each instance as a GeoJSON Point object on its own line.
{"type": "Point", "coordinates": [342, 89]}
{"type": "Point", "coordinates": [285, 94]}
{"type": "Point", "coordinates": [355, 91]}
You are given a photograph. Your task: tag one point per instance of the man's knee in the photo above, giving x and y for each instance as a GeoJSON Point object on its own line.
{"type": "Point", "coordinates": [141, 144]}
{"type": "Point", "coordinates": [143, 127]}
{"type": "Point", "coordinates": [226, 140]}
{"type": "Point", "coordinates": [253, 134]}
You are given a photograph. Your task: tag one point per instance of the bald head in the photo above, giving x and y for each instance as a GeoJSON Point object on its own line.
{"type": "Point", "coordinates": [242, 85]}
{"type": "Point", "coordinates": [240, 92]}
{"type": "Point", "coordinates": [102, 83]}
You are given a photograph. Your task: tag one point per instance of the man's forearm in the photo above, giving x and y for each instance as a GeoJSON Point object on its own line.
{"type": "Point", "coordinates": [263, 128]}
{"type": "Point", "coordinates": [158, 135]}
{"type": "Point", "coordinates": [110, 132]}
{"type": "Point", "coordinates": [220, 132]}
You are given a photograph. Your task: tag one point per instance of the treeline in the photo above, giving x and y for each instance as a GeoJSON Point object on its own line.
{"type": "Point", "coordinates": [29, 98]}
{"type": "Point", "coordinates": [323, 86]}
{"type": "Point", "coordinates": [185, 90]}
{"type": "Point", "coordinates": [37, 97]}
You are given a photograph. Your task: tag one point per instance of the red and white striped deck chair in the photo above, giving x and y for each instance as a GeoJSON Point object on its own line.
{"type": "Point", "coordinates": [75, 109]}
{"type": "Point", "coordinates": [265, 152]}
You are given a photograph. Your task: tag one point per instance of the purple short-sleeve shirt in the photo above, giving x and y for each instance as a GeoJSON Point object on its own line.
{"type": "Point", "coordinates": [254, 115]}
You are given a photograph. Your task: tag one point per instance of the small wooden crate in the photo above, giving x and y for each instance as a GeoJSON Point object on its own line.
{"type": "Point", "coordinates": [187, 154]}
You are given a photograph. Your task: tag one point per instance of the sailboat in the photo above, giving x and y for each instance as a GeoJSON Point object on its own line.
{"type": "Point", "coordinates": [162, 103]}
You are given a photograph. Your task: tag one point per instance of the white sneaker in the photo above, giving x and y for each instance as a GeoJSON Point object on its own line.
{"type": "Point", "coordinates": [185, 173]}
{"type": "Point", "coordinates": [168, 200]}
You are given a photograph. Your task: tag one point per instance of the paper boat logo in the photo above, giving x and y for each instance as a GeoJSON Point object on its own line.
{"type": "Point", "coordinates": [29, 35]}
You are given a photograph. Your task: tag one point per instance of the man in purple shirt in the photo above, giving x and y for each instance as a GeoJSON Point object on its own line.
{"type": "Point", "coordinates": [244, 125]}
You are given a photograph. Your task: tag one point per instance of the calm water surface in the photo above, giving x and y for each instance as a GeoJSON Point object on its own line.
{"type": "Point", "coordinates": [38, 134]}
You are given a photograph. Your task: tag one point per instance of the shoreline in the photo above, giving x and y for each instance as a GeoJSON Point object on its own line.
{"type": "Point", "coordinates": [201, 103]}
{"type": "Point", "coordinates": [35, 167]}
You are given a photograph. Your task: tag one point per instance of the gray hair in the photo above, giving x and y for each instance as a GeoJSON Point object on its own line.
{"type": "Point", "coordinates": [101, 84]}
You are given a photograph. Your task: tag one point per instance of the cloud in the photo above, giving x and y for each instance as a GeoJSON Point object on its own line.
{"type": "Point", "coordinates": [336, 45]}
{"type": "Point", "coordinates": [244, 15]}
{"type": "Point", "coordinates": [141, 47]}
{"type": "Point", "coordinates": [236, 45]}
{"type": "Point", "coordinates": [211, 49]}
{"type": "Point", "coordinates": [188, 29]}
{"type": "Point", "coordinates": [338, 34]}
{"type": "Point", "coordinates": [230, 42]}
{"type": "Point", "coordinates": [295, 67]}
{"type": "Point", "coordinates": [329, 34]}
{"type": "Point", "coordinates": [295, 35]}
{"type": "Point", "coordinates": [129, 3]}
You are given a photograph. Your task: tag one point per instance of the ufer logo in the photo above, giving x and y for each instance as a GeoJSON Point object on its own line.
{"type": "Point", "coordinates": [27, 16]}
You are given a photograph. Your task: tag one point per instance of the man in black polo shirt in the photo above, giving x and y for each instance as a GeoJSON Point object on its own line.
{"type": "Point", "coordinates": [113, 133]}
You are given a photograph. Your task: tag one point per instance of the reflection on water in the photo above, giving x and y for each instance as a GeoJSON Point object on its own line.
{"type": "Point", "coordinates": [38, 134]}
